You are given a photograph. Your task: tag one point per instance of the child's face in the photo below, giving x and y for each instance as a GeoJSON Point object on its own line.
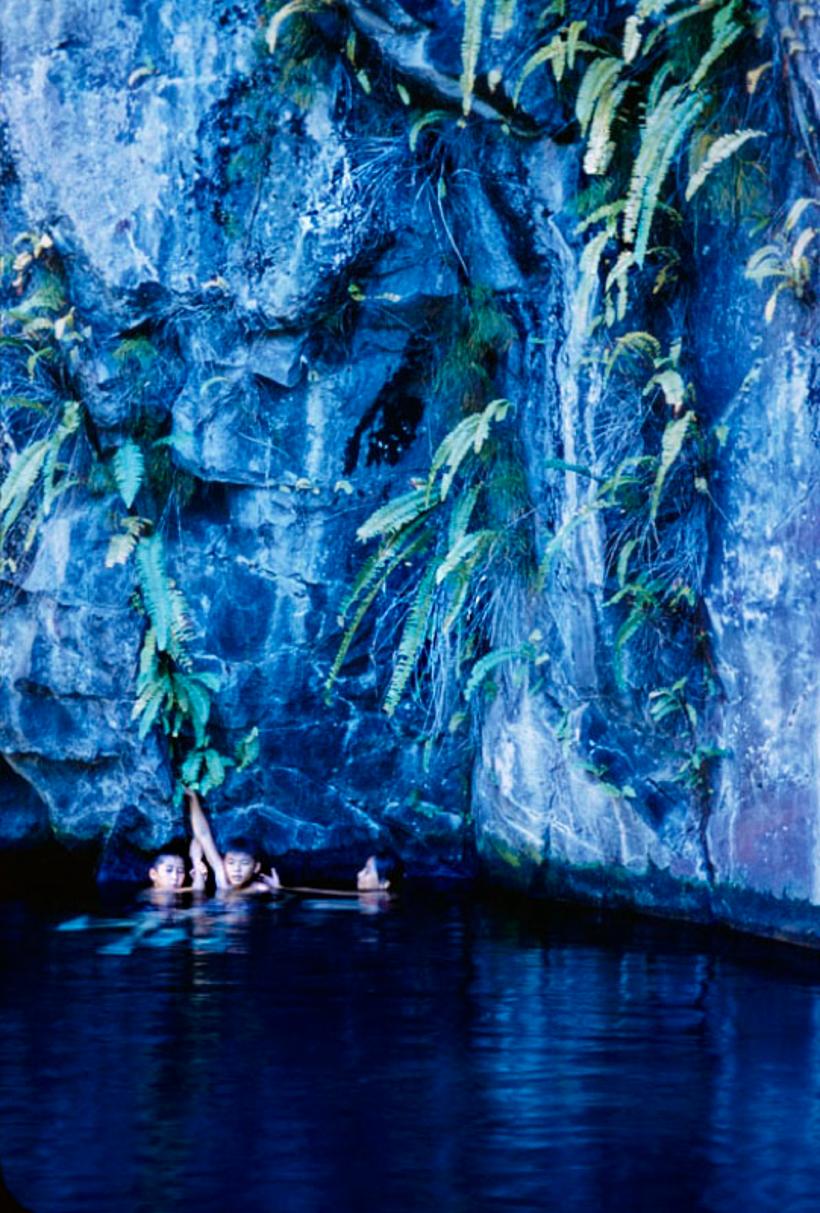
{"type": "Point", "coordinates": [240, 868]}
{"type": "Point", "coordinates": [367, 880]}
{"type": "Point", "coordinates": [168, 873]}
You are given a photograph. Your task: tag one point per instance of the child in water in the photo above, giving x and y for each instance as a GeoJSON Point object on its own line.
{"type": "Point", "coordinates": [238, 870]}
{"type": "Point", "coordinates": [381, 874]}
{"type": "Point", "coordinates": [168, 871]}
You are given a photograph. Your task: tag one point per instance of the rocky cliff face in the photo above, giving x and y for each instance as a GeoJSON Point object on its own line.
{"type": "Point", "coordinates": [289, 259]}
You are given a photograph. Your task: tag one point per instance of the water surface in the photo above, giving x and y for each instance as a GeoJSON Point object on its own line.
{"type": "Point", "coordinates": [434, 1054]}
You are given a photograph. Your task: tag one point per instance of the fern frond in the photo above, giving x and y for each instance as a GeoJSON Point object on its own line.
{"type": "Point", "coordinates": [554, 52]}
{"type": "Point", "coordinates": [404, 553]}
{"type": "Point", "coordinates": [574, 43]}
{"type": "Point", "coordinates": [599, 146]}
{"type": "Point", "coordinates": [372, 569]}
{"type": "Point", "coordinates": [664, 129]}
{"type": "Point", "coordinates": [560, 537]}
{"type": "Point", "coordinates": [48, 297]}
{"type": "Point", "coordinates": [795, 214]}
{"type": "Point", "coordinates": [19, 482]}
{"type": "Point", "coordinates": [632, 38]}
{"type": "Point", "coordinates": [463, 549]}
{"type": "Point", "coordinates": [725, 31]}
{"type": "Point", "coordinates": [503, 18]}
{"type": "Point", "coordinates": [470, 49]}
{"type": "Point", "coordinates": [644, 344]}
{"type": "Point", "coordinates": [195, 703]}
{"type": "Point", "coordinates": [599, 76]}
{"type": "Point", "coordinates": [247, 750]}
{"type": "Point", "coordinates": [767, 262]}
{"type": "Point", "coordinates": [430, 118]}
{"type": "Point", "coordinates": [720, 150]}
{"type": "Point", "coordinates": [488, 663]}
{"type": "Point", "coordinates": [609, 212]}
{"type": "Point", "coordinates": [588, 265]}
{"type": "Point", "coordinates": [671, 384]}
{"type": "Point", "coordinates": [396, 515]}
{"type": "Point", "coordinates": [496, 410]}
{"type": "Point", "coordinates": [150, 703]}
{"type": "Point", "coordinates": [161, 598]}
{"type": "Point", "coordinates": [191, 767]}
{"type": "Point", "coordinates": [286, 11]}
{"type": "Point", "coordinates": [120, 548]}
{"type": "Point", "coordinates": [633, 623]}
{"type": "Point", "coordinates": [673, 439]}
{"type": "Point", "coordinates": [216, 765]}
{"type": "Point", "coordinates": [128, 467]}
{"type": "Point", "coordinates": [461, 514]}
{"type": "Point", "coordinates": [413, 637]}
{"type": "Point", "coordinates": [149, 663]}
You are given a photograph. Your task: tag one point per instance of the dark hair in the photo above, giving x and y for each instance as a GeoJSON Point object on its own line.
{"type": "Point", "coordinates": [175, 849]}
{"type": "Point", "coordinates": [239, 842]}
{"type": "Point", "coordinates": [389, 867]}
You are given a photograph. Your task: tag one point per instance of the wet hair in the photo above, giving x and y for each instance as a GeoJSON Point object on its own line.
{"type": "Point", "coordinates": [176, 849]}
{"type": "Point", "coordinates": [389, 867]}
{"type": "Point", "coordinates": [239, 842]}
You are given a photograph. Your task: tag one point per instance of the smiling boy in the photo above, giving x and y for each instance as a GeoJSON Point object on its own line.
{"type": "Point", "coordinates": [238, 870]}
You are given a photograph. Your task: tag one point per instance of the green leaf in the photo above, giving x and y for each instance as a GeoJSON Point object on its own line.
{"type": "Point", "coordinates": [396, 515]}
{"type": "Point", "coordinates": [413, 636]}
{"type": "Point", "coordinates": [470, 48]}
{"type": "Point", "coordinates": [247, 751]}
{"type": "Point", "coordinates": [163, 602]}
{"type": "Point", "coordinates": [462, 550]}
{"type": "Point", "coordinates": [486, 664]}
{"type": "Point", "coordinates": [19, 482]}
{"type": "Point", "coordinates": [128, 467]}
{"type": "Point", "coordinates": [673, 439]}
{"type": "Point", "coordinates": [720, 150]}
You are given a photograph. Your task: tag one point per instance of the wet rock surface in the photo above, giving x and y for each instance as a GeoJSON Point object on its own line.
{"type": "Point", "coordinates": [287, 259]}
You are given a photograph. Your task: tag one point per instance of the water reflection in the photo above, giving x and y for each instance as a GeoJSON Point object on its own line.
{"type": "Point", "coordinates": [328, 1053]}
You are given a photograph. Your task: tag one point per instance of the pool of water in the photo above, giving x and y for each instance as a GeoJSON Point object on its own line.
{"type": "Point", "coordinates": [435, 1053]}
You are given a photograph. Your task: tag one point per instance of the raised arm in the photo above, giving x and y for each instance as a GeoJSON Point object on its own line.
{"type": "Point", "coordinates": [199, 870]}
{"type": "Point", "coordinates": [203, 835]}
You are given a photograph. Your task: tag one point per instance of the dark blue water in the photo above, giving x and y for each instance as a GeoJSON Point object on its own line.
{"type": "Point", "coordinates": [436, 1055]}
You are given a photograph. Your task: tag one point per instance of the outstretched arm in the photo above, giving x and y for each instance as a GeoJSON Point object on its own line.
{"type": "Point", "coordinates": [203, 835]}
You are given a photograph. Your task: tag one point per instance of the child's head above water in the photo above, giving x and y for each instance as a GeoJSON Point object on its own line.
{"type": "Point", "coordinates": [240, 862]}
{"type": "Point", "coordinates": [380, 872]}
{"type": "Point", "coordinates": [168, 871]}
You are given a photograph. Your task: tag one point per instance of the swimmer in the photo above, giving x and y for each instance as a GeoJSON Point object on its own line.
{"type": "Point", "coordinates": [381, 874]}
{"type": "Point", "coordinates": [238, 870]}
{"type": "Point", "coordinates": [168, 872]}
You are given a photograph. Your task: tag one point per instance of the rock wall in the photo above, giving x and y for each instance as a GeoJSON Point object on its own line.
{"type": "Point", "coordinates": [287, 251]}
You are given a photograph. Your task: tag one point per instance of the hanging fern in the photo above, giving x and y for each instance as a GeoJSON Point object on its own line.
{"type": "Point", "coordinates": [465, 548]}
{"type": "Point", "coordinates": [291, 9]}
{"type": "Point", "coordinates": [599, 76]}
{"type": "Point", "coordinates": [128, 467]}
{"type": "Point", "coordinates": [555, 50]}
{"type": "Point", "coordinates": [599, 146]}
{"type": "Point", "coordinates": [396, 515]}
{"type": "Point", "coordinates": [163, 601]}
{"type": "Point", "coordinates": [470, 50]}
{"type": "Point", "coordinates": [38, 461]}
{"type": "Point", "coordinates": [725, 32]}
{"type": "Point", "coordinates": [503, 18]}
{"type": "Point", "coordinates": [386, 566]}
{"type": "Point", "coordinates": [665, 129]}
{"type": "Point", "coordinates": [720, 150]}
{"type": "Point", "coordinates": [413, 637]}
{"type": "Point", "coordinates": [673, 439]}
